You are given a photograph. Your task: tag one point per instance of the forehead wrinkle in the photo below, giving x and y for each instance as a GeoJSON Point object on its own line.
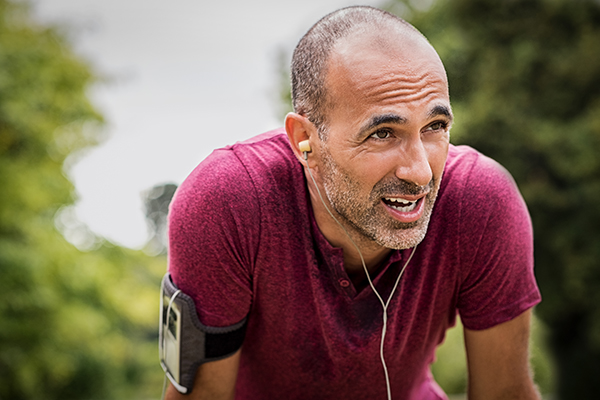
{"type": "Point", "coordinates": [399, 85]}
{"type": "Point", "coordinates": [402, 95]}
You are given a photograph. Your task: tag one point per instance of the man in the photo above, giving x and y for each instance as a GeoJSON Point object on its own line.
{"type": "Point", "coordinates": [306, 234]}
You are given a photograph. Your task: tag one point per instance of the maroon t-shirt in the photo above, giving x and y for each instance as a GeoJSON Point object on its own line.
{"type": "Point", "coordinates": [244, 242]}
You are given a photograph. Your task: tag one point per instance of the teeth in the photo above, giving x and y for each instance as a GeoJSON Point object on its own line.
{"type": "Point", "coordinates": [402, 205]}
{"type": "Point", "coordinates": [398, 200]}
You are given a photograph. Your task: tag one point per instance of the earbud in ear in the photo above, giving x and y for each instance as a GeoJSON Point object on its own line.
{"type": "Point", "coordinates": [304, 146]}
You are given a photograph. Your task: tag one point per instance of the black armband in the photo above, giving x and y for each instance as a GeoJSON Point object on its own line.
{"type": "Point", "coordinates": [185, 343]}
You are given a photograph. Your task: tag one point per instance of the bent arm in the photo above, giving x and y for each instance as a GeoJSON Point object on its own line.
{"type": "Point", "coordinates": [214, 380]}
{"type": "Point", "coordinates": [498, 361]}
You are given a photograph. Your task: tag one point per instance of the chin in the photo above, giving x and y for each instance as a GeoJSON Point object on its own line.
{"type": "Point", "coordinates": [405, 238]}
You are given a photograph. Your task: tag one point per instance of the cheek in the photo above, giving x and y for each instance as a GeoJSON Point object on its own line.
{"type": "Point", "coordinates": [374, 168]}
{"type": "Point", "coordinates": [437, 153]}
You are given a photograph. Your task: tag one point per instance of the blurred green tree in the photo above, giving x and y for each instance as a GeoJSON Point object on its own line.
{"type": "Point", "coordinates": [74, 324]}
{"type": "Point", "coordinates": [525, 85]}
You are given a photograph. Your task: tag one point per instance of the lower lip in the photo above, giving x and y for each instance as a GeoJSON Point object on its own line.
{"type": "Point", "coordinates": [410, 216]}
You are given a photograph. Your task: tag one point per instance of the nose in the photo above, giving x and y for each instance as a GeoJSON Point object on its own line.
{"type": "Point", "coordinates": [413, 164]}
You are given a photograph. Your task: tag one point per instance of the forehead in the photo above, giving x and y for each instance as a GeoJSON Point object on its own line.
{"type": "Point", "coordinates": [381, 68]}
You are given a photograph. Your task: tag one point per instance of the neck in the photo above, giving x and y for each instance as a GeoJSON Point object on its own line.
{"type": "Point", "coordinates": [372, 253]}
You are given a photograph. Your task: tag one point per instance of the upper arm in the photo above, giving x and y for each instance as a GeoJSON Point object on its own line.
{"type": "Point", "coordinates": [213, 223]}
{"type": "Point", "coordinates": [498, 361]}
{"type": "Point", "coordinates": [497, 279]}
{"type": "Point", "coordinates": [214, 380]}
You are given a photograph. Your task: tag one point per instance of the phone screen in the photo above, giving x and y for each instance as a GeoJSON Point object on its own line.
{"type": "Point", "coordinates": [171, 339]}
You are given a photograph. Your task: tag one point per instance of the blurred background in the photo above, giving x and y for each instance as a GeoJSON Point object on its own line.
{"type": "Point", "coordinates": [105, 107]}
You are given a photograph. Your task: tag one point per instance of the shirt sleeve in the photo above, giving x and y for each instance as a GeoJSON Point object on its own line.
{"type": "Point", "coordinates": [498, 281]}
{"type": "Point", "coordinates": [210, 259]}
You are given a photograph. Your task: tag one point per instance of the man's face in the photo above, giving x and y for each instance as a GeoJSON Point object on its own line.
{"type": "Point", "coordinates": [387, 137]}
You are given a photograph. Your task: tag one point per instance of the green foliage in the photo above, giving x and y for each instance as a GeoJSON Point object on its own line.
{"type": "Point", "coordinates": [74, 323]}
{"type": "Point", "coordinates": [542, 363]}
{"type": "Point", "coordinates": [525, 85]}
{"type": "Point", "coordinates": [450, 367]}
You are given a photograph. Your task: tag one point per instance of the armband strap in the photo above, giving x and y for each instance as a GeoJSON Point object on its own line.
{"type": "Point", "coordinates": [185, 343]}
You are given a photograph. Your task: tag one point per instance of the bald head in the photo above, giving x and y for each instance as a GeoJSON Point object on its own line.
{"type": "Point", "coordinates": [333, 35]}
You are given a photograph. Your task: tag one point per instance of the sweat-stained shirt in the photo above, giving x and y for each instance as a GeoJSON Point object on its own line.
{"type": "Point", "coordinates": [244, 242]}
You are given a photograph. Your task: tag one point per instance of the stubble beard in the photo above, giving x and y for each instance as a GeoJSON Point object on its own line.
{"type": "Point", "coordinates": [367, 216]}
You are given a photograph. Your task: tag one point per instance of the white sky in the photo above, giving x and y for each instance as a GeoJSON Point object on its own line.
{"type": "Point", "coordinates": [189, 76]}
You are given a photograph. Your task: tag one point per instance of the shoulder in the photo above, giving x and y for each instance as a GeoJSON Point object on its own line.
{"type": "Point", "coordinates": [480, 186]}
{"type": "Point", "coordinates": [484, 191]}
{"type": "Point", "coordinates": [233, 171]}
{"type": "Point", "coordinates": [216, 225]}
{"type": "Point", "coordinates": [466, 168]}
{"type": "Point", "coordinates": [270, 162]}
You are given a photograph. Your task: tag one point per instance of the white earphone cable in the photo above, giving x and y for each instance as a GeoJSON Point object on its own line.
{"type": "Point", "coordinates": [383, 304]}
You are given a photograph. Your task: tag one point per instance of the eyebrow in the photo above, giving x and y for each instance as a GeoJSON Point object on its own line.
{"type": "Point", "coordinates": [392, 118]}
{"type": "Point", "coordinates": [440, 110]}
{"type": "Point", "coordinates": [375, 121]}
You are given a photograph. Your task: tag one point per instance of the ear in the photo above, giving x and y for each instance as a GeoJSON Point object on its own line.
{"type": "Point", "coordinates": [299, 129]}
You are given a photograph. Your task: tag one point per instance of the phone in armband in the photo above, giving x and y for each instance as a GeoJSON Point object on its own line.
{"type": "Point", "coordinates": [184, 343]}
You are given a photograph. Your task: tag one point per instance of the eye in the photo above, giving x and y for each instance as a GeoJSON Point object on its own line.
{"type": "Point", "coordinates": [436, 126]}
{"type": "Point", "coordinates": [381, 134]}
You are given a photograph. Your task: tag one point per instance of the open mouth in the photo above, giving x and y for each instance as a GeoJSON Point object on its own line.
{"type": "Point", "coordinates": [401, 204]}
